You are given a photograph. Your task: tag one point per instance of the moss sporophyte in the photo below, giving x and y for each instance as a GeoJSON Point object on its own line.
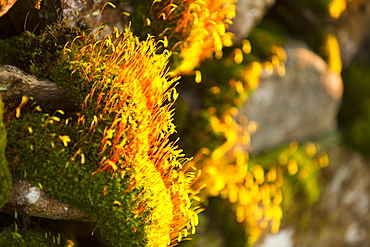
{"type": "Point", "coordinates": [115, 155]}
{"type": "Point", "coordinates": [192, 30]}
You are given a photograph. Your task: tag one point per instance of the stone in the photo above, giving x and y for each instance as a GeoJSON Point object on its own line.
{"type": "Point", "coordinates": [248, 15]}
{"type": "Point", "coordinates": [74, 10]}
{"type": "Point", "coordinates": [341, 216]}
{"type": "Point", "coordinates": [110, 17]}
{"type": "Point", "coordinates": [20, 17]}
{"type": "Point", "coordinates": [33, 201]}
{"type": "Point", "coordinates": [283, 238]}
{"type": "Point", "coordinates": [14, 83]}
{"type": "Point", "coordinates": [300, 105]}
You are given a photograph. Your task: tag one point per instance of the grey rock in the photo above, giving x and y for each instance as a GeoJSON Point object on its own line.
{"type": "Point", "coordinates": [300, 105]}
{"type": "Point", "coordinates": [341, 216]}
{"type": "Point", "coordinates": [33, 201]}
{"type": "Point", "coordinates": [74, 10]}
{"type": "Point", "coordinates": [248, 15]}
{"type": "Point", "coordinates": [110, 17]}
{"type": "Point", "coordinates": [284, 238]}
{"type": "Point", "coordinates": [14, 83]}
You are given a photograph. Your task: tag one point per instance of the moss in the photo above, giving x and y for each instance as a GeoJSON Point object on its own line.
{"type": "Point", "coordinates": [12, 236]}
{"type": "Point", "coordinates": [49, 164]}
{"type": "Point", "coordinates": [141, 12]}
{"type": "Point", "coordinates": [299, 174]}
{"type": "Point", "coordinates": [114, 155]}
{"type": "Point", "coordinates": [5, 176]}
{"type": "Point", "coordinates": [234, 82]}
{"type": "Point", "coordinates": [44, 57]}
{"type": "Point", "coordinates": [37, 54]}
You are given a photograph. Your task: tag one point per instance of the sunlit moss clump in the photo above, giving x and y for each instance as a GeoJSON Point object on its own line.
{"type": "Point", "coordinates": [207, 22]}
{"type": "Point", "coordinates": [254, 188]}
{"type": "Point", "coordinates": [5, 177]}
{"type": "Point", "coordinates": [115, 154]}
{"type": "Point", "coordinates": [278, 178]}
{"type": "Point", "coordinates": [193, 30]}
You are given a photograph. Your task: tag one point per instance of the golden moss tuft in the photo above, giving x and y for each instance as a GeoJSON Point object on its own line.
{"type": "Point", "coordinates": [130, 104]}
{"type": "Point", "coordinates": [193, 30]}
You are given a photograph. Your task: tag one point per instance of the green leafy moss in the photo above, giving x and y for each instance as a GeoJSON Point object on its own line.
{"type": "Point", "coordinates": [37, 54]}
{"type": "Point", "coordinates": [66, 157]}
{"type": "Point", "coordinates": [44, 57]}
{"type": "Point", "coordinates": [12, 236]}
{"type": "Point", "coordinates": [5, 176]}
{"type": "Point", "coordinates": [49, 163]}
{"type": "Point", "coordinates": [41, 156]}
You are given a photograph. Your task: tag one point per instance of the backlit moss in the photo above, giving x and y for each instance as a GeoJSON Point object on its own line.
{"type": "Point", "coordinates": [115, 154]}
{"type": "Point", "coordinates": [192, 30]}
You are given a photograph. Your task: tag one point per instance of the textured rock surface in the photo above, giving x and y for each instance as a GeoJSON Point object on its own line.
{"type": "Point", "coordinates": [284, 238]}
{"type": "Point", "coordinates": [29, 198]}
{"type": "Point", "coordinates": [248, 14]}
{"type": "Point", "coordinates": [110, 17]}
{"type": "Point", "coordinates": [74, 10]}
{"type": "Point", "coordinates": [309, 95]}
{"type": "Point", "coordinates": [14, 83]}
